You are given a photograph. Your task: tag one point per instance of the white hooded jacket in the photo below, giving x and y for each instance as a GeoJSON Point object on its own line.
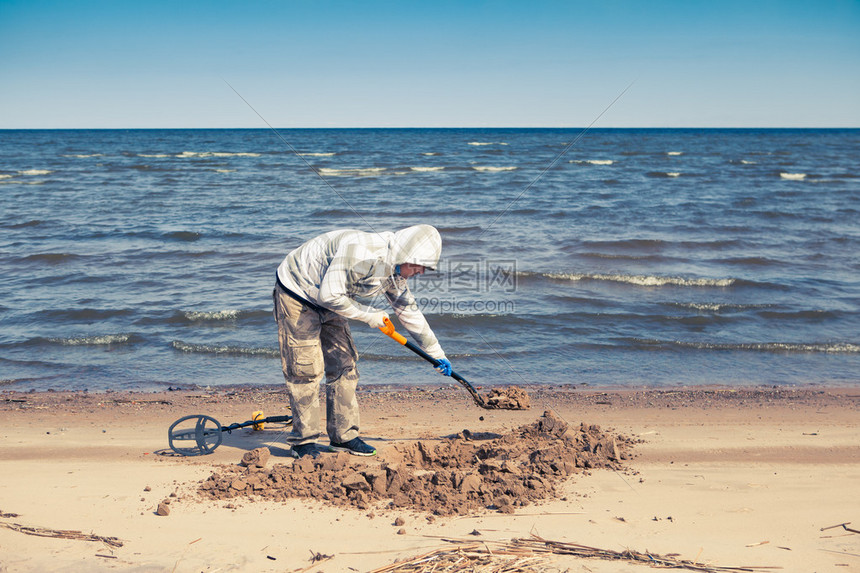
{"type": "Point", "coordinates": [336, 267]}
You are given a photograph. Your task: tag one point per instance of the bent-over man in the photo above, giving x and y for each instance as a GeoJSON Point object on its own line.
{"type": "Point", "coordinates": [314, 296]}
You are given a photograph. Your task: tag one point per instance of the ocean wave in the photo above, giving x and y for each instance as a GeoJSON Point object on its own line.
{"type": "Point", "coordinates": [426, 169]}
{"type": "Point", "coordinates": [35, 172]}
{"type": "Point", "coordinates": [431, 154]}
{"type": "Point", "coordinates": [31, 223]}
{"type": "Point", "coordinates": [800, 314]}
{"type": "Point", "coordinates": [419, 213]}
{"type": "Point", "coordinates": [329, 154]}
{"type": "Point", "coordinates": [100, 340]}
{"type": "Point", "coordinates": [640, 280]}
{"type": "Point", "coordinates": [717, 306]}
{"type": "Point", "coordinates": [352, 172]}
{"type": "Point", "coordinates": [491, 169]}
{"type": "Point", "coordinates": [592, 161]}
{"type": "Point", "coordinates": [6, 176]}
{"type": "Point", "coordinates": [793, 176]}
{"type": "Point", "coordinates": [154, 155]}
{"type": "Point", "coordinates": [674, 153]}
{"type": "Point", "coordinates": [334, 213]}
{"type": "Point", "coordinates": [751, 261]}
{"type": "Point", "coordinates": [83, 155]}
{"type": "Point", "coordinates": [657, 244]}
{"type": "Point", "coordinates": [746, 162]}
{"type": "Point", "coordinates": [16, 181]}
{"type": "Point", "coordinates": [484, 143]}
{"type": "Point", "coordinates": [200, 318]}
{"type": "Point", "coordinates": [615, 256]}
{"type": "Point", "coordinates": [668, 174]}
{"type": "Point", "coordinates": [452, 230]}
{"type": "Point", "coordinates": [50, 258]}
{"type": "Point", "coordinates": [190, 154]}
{"type": "Point", "coordinates": [223, 350]}
{"type": "Point", "coordinates": [773, 347]}
{"type": "Point", "coordinates": [217, 315]}
{"type": "Point", "coordinates": [225, 170]}
{"type": "Point", "coordinates": [184, 236]}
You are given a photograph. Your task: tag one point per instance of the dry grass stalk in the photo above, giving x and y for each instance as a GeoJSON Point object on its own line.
{"type": "Point", "coordinates": [529, 556]}
{"type": "Point", "coordinates": [62, 534]}
{"type": "Point", "coordinates": [536, 543]}
{"type": "Point", "coordinates": [471, 558]}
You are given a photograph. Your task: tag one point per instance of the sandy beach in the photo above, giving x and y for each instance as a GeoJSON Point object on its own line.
{"type": "Point", "coordinates": [753, 478]}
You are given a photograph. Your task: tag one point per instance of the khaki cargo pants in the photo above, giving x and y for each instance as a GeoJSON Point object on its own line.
{"type": "Point", "coordinates": [312, 344]}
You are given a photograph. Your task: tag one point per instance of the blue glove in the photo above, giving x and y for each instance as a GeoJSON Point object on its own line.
{"type": "Point", "coordinates": [444, 367]}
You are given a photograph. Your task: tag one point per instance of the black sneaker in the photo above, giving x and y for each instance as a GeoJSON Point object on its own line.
{"type": "Point", "coordinates": [355, 446]}
{"type": "Point", "coordinates": [303, 450]}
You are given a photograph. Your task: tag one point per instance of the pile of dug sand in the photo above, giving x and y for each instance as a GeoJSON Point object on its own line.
{"type": "Point", "coordinates": [460, 475]}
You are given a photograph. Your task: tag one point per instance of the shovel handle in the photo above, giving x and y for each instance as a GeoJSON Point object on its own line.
{"type": "Point", "coordinates": [388, 330]}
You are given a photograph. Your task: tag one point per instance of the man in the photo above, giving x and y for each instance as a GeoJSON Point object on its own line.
{"type": "Point", "coordinates": [315, 290]}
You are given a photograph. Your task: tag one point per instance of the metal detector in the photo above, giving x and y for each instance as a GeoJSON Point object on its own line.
{"type": "Point", "coordinates": [199, 434]}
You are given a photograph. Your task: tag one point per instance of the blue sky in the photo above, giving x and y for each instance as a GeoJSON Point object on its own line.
{"type": "Point", "coordinates": [318, 63]}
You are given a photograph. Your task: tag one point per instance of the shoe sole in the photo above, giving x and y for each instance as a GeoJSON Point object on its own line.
{"type": "Point", "coordinates": [353, 452]}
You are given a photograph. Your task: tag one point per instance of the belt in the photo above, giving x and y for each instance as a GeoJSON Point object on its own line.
{"type": "Point", "coordinates": [296, 296]}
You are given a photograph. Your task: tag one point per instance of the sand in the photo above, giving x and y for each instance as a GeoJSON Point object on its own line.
{"type": "Point", "coordinates": [753, 477]}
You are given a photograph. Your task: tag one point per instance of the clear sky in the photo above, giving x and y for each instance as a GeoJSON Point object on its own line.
{"type": "Point", "coordinates": [321, 63]}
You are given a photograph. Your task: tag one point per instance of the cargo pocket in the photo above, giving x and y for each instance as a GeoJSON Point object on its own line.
{"type": "Point", "coordinates": [306, 360]}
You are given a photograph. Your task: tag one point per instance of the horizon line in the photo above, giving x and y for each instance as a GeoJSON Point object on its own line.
{"type": "Point", "coordinates": [417, 127]}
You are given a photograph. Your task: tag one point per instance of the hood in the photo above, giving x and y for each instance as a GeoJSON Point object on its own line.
{"type": "Point", "coordinates": [419, 245]}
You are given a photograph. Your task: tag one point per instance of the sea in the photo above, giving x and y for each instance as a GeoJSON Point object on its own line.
{"type": "Point", "coordinates": [621, 258]}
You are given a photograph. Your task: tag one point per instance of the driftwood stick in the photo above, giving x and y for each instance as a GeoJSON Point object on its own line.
{"type": "Point", "coordinates": [61, 534]}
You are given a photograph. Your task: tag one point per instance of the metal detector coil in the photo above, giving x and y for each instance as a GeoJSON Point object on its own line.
{"type": "Point", "coordinates": [194, 435]}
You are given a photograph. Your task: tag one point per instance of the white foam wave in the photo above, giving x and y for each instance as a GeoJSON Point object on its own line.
{"type": "Point", "coordinates": [156, 155]}
{"type": "Point", "coordinates": [187, 154]}
{"type": "Point", "coordinates": [225, 171]}
{"type": "Point", "coordinates": [703, 306]}
{"type": "Point", "coordinates": [355, 172]}
{"type": "Point", "coordinates": [426, 169]}
{"type": "Point", "coordinates": [93, 340]}
{"type": "Point", "coordinates": [674, 153]}
{"type": "Point", "coordinates": [644, 280]}
{"type": "Point", "coordinates": [718, 306]}
{"type": "Point", "coordinates": [788, 347]}
{"type": "Point", "coordinates": [331, 154]}
{"type": "Point", "coordinates": [229, 350]}
{"type": "Point", "coordinates": [227, 314]}
{"type": "Point", "coordinates": [673, 174]}
{"type": "Point", "coordinates": [490, 169]}
{"type": "Point", "coordinates": [34, 172]}
{"type": "Point", "coordinates": [592, 161]}
{"type": "Point", "coordinates": [84, 155]}
{"type": "Point", "coordinates": [430, 154]}
{"type": "Point", "coordinates": [3, 176]}
{"type": "Point", "coordinates": [793, 176]}
{"type": "Point", "coordinates": [745, 162]}
{"type": "Point", "coordinates": [483, 143]}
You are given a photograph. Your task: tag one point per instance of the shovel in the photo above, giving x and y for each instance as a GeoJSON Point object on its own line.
{"type": "Point", "coordinates": [388, 330]}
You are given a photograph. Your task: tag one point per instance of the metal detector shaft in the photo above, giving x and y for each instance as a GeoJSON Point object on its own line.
{"type": "Point", "coordinates": [388, 330]}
